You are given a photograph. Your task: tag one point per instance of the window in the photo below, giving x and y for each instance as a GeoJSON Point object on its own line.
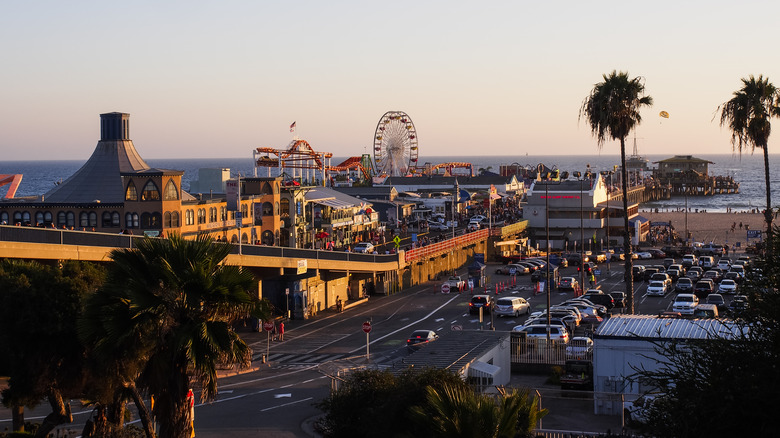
{"type": "Point", "coordinates": [171, 192]}
{"type": "Point", "coordinates": [26, 218]}
{"type": "Point", "coordinates": [175, 219]}
{"type": "Point", "coordinates": [267, 209]}
{"type": "Point", "coordinates": [17, 217]}
{"type": "Point", "coordinates": [223, 213]}
{"type": "Point", "coordinates": [38, 218]}
{"type": "Point", "coordinates": [114, 219]}
{"type": "Point", "coordinates": [131, 194]}
{"type": "Point", "coordinates": [83, 219]}
{"type": "Point", "coordinates": [201, 216]}
{"type": "Point", "coordinates": [213, 214]}
{"type": "Point", "coordinates": [167, 219]}
{"type": "Point", "coordinates": [189, 217]}
{"type": "Point", "coordinates": [268, 238]}
{"type": "Point", "coordinates": [4, 218]}
{"type": "Point", "coordinates": [92, 219]}
{"type": "Point", "coordinates": [244, 211]}
{"type": "Point", "coordinates": [151, 192]}
{"type": "Point", "coordinates": [106, 219]}
{"type": "Point", "coordinates": [48, 219]}
{"type": "Point", "coordinates": [71, 219]}
{"type": "Point", "coordinates": [266, 189]}
{"type": "Point", "coordinates": [277, 208]}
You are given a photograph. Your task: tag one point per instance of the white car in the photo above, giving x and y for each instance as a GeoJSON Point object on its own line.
{"type": "Point", "coordinates": [685, 304]}
{"type": "Point", "coordinates": [436, 226]}
{"type": "Point", "coordinates": [644, 255]}
{"type": "Point", "coordinates": [727, 287]}
{"type": "Point", "coordinates": [478, 219]}
{"type": "Point", "coordinates": [473, 226]}
{"type": "Point", "coordinates": [656, 288]}
{"type": "Point", "coordinates": [364, 247]}
{"type": "Point", "coordinates": [724, 265]}
{"type": "Point", "coordinates": [455, 283]}
{"type": "Point", "coordinates": [579, 347]}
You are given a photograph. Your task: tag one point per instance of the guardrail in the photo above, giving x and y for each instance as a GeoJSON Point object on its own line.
{"type": "Point", "coordinates": [446, 246]}
{"type": "Point", "coordinates": [9, 233]}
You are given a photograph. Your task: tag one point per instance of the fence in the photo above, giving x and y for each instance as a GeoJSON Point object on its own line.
{"type": "Point", "coordinates": [9, 233]}
{"type": "Point", "coordinates": [446, 246]}
{"type": "Point", "coordinates": [535, 350]}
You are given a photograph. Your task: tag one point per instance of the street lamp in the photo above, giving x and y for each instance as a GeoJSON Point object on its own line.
{"type": "Point", "coordinates": [578, 175]}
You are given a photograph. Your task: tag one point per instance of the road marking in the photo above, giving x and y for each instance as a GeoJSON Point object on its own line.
{"type": "Point", "coordinates": [286, 404]}
{"type": "Point", "coordinates": [287, 395]}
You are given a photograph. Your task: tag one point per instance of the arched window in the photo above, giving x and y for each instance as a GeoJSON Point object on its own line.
{"type": "Point", "coordinates": [114, 219]}
{"type": "Point", "coordinates": [284, 208]}
{"type": "Point", "coordinates": [106, 219]}
{"type": "Point", "coordinates": [146, 219]}
{"type": "Point", "coordinates": [151, 192]}
{"type": "Point", "coordinates": [268, 238]}
{"type": "Point", "coordinates": [48, 219]}
{"type": "Point", "coordinates": [84, 219]}
{"type": "Point", "coordinates": [26, 218]}
{"type": "Point", "coordinates": [223, 213]}
{"type": "Point", "coordinates": [171, 192]}
{"type": "Point", "coordinates": [268, 209]}
{"type": "Point", "coordinates": [38, 218]}
{"type": "Point", "coordinates": [156, 221]}
{"type": "Point", "coordinates": [131, 194]}
{"type": "Point", "coordinates": [267, 189]}
{"type": "Point", "coordinates": [244, 211]}
{"type": "Point", "coordinates": [244, 238]}
{"type": "Point", "coordinates": [4, 217]}
{"type": "Point", "coordinates": [17, 217]}
{"type": "Point", "coordinates": [92, 219]}
{"type": "Point", "coordinates": [201, 216]}
{"type": "Point", "coordinates": [131, 220]}
{"type": "Point", "coordinates": [213, 214]}
{"type": "Point", "coordinates": [175, 219]}
{"type": "Point", "coordinates": [167, 219]}
{"type": "Point", "coordinates": [189, 217]}
{"type": "Point", "coordinates": [276, 208]}
{"type": "Point", "coordinates": [61, 219]}
{"type": "Point", "coordinates": [276, 188]}
{"type": "Point", "coordinates": [71, 219]}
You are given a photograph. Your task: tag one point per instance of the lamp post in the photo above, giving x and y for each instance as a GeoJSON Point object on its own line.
{"type": "Point", "coordinates": [579, 175]}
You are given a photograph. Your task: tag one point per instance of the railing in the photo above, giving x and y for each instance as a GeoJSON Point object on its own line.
{"type": "Point", "coordinates": [446, 246]}
{"type": "Point", "coordinates": [10, 233]}
{"type": "Point", "coordinates": [537, 351]}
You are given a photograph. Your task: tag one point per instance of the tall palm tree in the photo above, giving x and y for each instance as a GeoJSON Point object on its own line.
{"type": "Point", "coordinates": [612, 111]}
{"type": "Point", "coordinates": [167, 308]}
{"type": "Point", "coordinates": [748, 116]}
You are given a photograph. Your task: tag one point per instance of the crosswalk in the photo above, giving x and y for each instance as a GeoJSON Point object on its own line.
{"type": "Point", "coordinates": [291, 360]}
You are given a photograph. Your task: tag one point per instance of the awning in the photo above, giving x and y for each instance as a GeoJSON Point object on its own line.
{"type": "Point", "coordinates": [482, 369]}
{"type": "Point", "coordinates": [508, 242]}
{"type": "Point", "coordinates": [332, 202]}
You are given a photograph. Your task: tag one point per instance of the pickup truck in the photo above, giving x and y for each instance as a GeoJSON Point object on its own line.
{"type": "Point", "coordinates": [577, 374]}
{"type": "Point", "coordinates": [455, 283]}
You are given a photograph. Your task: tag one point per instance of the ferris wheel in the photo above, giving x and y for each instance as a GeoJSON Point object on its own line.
{"type": "Point", "coordinates": [395, 144]}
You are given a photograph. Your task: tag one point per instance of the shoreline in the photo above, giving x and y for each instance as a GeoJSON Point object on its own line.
{"type": "Point", "coordinates": [708, 227]}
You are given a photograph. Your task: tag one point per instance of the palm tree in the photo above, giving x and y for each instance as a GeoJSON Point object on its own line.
{"type": "Point", "coordinates": [612, 111]}
{"type": "Point", "coordinates": [166, 315]}
{"type": "Point", "coordinates": [748, 116]}
{"type": "Point", "coordinates": [457, 411]}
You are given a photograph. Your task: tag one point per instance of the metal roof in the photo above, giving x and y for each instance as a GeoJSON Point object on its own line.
{"type": "Point", "coordinates": [455, 350]}
{"type": "Point", "coordinates": [333, 198]}
{"type": "Point", "coordinates": [653, 327]}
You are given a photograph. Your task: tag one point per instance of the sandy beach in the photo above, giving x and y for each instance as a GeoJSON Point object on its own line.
{"type": "Point", "coordinates": [707, 227]}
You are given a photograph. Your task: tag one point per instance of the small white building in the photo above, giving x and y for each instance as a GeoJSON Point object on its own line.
{"type": "Point", "coordinates": [626, 342]}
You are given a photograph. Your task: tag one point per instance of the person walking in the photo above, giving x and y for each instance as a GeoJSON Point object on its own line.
{"type": "Point", "coordinates": [281, 330]}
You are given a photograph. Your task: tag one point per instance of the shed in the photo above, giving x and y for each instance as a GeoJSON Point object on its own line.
{"type": "Point", "coordinates": [481, 357]}
{"type": "Point", "coordinates": [623, 343]}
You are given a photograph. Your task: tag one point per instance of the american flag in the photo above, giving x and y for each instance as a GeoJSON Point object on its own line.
{"type": "Point", "coordinates": [292, 127]}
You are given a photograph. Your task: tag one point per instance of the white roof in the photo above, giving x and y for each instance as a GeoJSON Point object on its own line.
{"type": "Point", "coordinates": [655, 328]}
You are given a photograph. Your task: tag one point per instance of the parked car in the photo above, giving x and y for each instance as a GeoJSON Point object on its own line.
{"type": "Point", "coordinates": [513, 269]}
{"type": "Point", "coordinates": [484, 302]}
{"type": "Point", "coordinates": [656, 288]}
{"type": "Point", "coordinates": [690, 260]}
{"type": "Point", "coordinates": [568, 283]}
{"type": "Point", "coordinates": [512, 306]}
{"type": "Point", "coordinates": [684, 284]}
{"type": "Point", "coordinates": [685, 304]}
{"type": "Point", "coordinates": [558, 333]}
{"type": "Point", "coordinates": [638, 272]}
{"type": "Point", "coordinates": [717, 300]}
{"type": "Point", "coordinates": [418, 338]}
{"type": "Point", "coordinates": [580, 347]}
{"type": "Point", "coordinates": [437, 226]}
{"type": "Point", "coordinates": [601, 298]}
{"type": "Point", "coordinates": [577, 374]}
{"type": "Point", "coordinates": [619, 298]}
{"type": "Point", "coordinates": [703, 288]}
{"type": "Point", "coordinates": [364, 247]}
{"type": "Point", "coordinates": [706, 311]}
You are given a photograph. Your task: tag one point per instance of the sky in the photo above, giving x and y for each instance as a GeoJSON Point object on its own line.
{"type": "Point", "coordinates": [218, 79]}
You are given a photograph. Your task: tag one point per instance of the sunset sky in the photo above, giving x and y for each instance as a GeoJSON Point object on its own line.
{"type": "Point", "coordinates": [218, 79]}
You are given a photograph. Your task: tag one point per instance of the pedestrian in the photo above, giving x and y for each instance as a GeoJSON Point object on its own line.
{"type": "Point", "coordinates": [592, 280]}
{"type": "Point", "coordinates": [281, 330]}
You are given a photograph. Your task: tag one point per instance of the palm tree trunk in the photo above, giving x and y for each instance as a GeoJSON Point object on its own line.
{"type": "Point", "coordinates": [17, 418]}
{"type": "Point", "coordinates": [768, 213]}
{"type": "Point", "coordinates": [143, 412]}
{"type": "Point", "coordinates": [629, 264]}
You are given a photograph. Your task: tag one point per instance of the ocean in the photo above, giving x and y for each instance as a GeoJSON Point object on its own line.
{"type": "Point", "coordinates": [748, 170]}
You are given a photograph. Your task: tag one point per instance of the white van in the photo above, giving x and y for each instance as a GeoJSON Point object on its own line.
{"type": "Point", "coordinates": [706, 262]}
{"type": "Point", "coordinates": [512, 306]}
{"type": "Point", "coordinates": [705, 311]}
